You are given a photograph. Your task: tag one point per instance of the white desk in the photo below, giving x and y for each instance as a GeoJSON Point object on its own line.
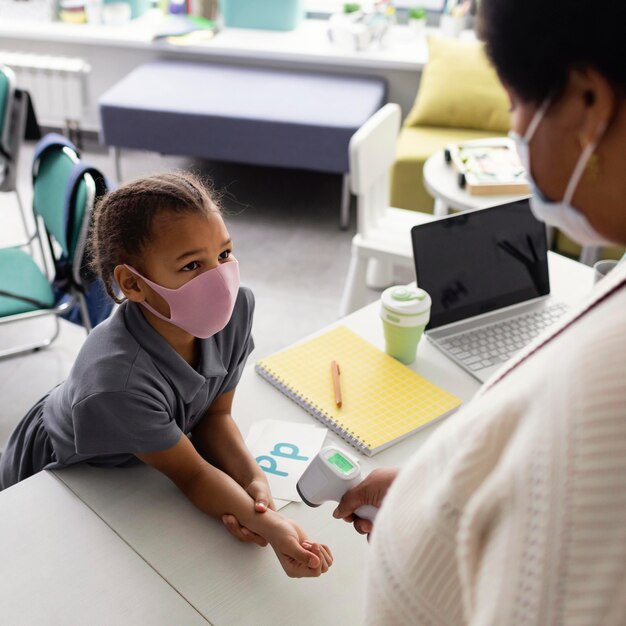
{"type": "Point", "coordinates": [231, 583]}
{"type": "Point", "coordinates": [62, 565]}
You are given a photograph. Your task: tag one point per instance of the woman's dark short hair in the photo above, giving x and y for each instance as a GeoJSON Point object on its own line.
{"type": "Point", "coordinates": [534, 43]}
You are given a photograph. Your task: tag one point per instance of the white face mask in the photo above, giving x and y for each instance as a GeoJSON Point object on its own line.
{"type": "Point", "coordinates": [561, 215]}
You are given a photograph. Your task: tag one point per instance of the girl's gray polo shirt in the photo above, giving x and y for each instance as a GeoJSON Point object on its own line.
{"type": "Point", "coordinates": [130, 392]}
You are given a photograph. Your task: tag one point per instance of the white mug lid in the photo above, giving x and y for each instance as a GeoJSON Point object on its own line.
{"type": "Point", "coordinates": [406, 300]}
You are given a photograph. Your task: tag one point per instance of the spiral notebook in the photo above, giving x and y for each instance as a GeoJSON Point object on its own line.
{"type": "Point", "coordinates": [383, 401]}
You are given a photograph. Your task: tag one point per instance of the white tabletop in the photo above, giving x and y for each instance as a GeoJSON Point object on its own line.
{"type": "Point", "coordinates": [440, 180]}
{"type": "Point", "coordinates": [232, 583]}
{"type": "Point", "coordinates": [62, 565]}
{"type": "Point", "coordinates": [226, 581]}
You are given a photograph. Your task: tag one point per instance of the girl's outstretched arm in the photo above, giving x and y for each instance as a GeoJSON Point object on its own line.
{"type": "Point", "coordinates": [219, 441]}
{"type": "Point", "coordinates": [217, 494]}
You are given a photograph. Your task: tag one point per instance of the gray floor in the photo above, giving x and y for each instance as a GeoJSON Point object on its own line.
{"type": "Point", "coordinates": [284, 225]}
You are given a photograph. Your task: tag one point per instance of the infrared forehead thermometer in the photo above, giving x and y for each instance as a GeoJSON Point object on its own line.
{"type": "Point", "coordinates": [329, 475]}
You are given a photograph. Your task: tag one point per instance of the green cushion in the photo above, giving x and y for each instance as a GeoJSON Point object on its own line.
{"type": "Point", "coordinates": [459, 88]}
{"type": "Point", "coordinates": [415, 145]}
{"type": "Point", "coordinates": [20, 275]}
{"type": "Point", "coordinates": [49, 197]}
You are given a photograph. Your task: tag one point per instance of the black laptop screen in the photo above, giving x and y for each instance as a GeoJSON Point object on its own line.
{"type": "Point", "coordinates": [479, 261]}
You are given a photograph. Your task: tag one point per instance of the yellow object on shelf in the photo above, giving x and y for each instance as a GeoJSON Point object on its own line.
{"type": "Point", "coordinates": [72, 11]}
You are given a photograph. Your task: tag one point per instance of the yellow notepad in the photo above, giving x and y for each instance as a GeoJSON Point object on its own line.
{"type": "Point", "coordinates": [383, 400]}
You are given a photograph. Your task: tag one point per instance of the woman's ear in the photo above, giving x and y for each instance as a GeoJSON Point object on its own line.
{"type": "Point", "coordinates": [130, 284]}
{"type": "Point", "coordinates": [599, 103]}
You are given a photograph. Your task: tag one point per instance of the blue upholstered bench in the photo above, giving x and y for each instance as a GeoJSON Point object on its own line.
{"type": "Point", "coordinates": [243, 114]}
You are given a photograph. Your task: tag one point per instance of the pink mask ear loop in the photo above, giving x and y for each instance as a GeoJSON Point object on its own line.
{"type": "Point", "coordinates": [133, 270]}
{"type": "Point", "coordinates": [145, 303]}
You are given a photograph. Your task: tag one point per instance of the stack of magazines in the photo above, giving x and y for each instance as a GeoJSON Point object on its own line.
{"type": "Point", "coordinates": [488, 167]}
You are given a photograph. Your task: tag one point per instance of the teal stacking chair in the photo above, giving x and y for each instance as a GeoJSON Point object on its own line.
{"type": "Point", "coordinates": [64, 193]}
{"type": "Point", "coordinates": [13, 113]}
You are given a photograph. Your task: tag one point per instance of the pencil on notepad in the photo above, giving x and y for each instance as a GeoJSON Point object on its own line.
{"type": "Point", "coordinates": [334, 369]}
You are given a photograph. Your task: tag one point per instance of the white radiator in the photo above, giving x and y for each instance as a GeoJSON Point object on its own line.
{"type": "Point", "coordinates": [58, 86]}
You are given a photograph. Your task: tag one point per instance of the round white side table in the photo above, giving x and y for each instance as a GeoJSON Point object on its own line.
{"type": "Point", "coordinates": [440, 180]}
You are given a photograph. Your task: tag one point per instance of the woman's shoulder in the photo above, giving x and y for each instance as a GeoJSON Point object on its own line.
{"type": "Point", "coordinates": [595, 353]}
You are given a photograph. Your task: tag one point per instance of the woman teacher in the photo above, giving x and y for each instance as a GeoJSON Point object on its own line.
{"type": "Point", "coordinates": [514, 511]}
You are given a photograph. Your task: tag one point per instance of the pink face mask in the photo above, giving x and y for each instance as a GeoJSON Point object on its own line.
{"type": "Point", "coordinates": [203, 306]}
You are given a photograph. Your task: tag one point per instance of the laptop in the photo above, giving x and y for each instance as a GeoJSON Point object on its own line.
{"type": "Point", "coordinates": [487, 274]}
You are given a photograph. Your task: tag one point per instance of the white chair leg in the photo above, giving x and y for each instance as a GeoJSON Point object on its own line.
{"type": "Point", "coordinates": [344, 212]}
{"type": "Point", "coordinates": [354, 290]}
{"type": "Point", "coordinates": [117, 163]}
{"type": "Point", "coordinates": [379, 274]}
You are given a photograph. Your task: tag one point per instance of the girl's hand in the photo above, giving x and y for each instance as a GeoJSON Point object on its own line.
{"type": "Point", "coordinates": [298, 556]}
{"type": "Point", "coordinates": [259, 491]}
{"type": "Point", "coordinates": [241, 532]}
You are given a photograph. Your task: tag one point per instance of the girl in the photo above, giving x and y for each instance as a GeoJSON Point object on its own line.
{"type": "Point", "coordinates": [164, 366]}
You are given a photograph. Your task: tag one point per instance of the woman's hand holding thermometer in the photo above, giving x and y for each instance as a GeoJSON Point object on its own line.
{"type": "Point", "coordinates": [329, 475]}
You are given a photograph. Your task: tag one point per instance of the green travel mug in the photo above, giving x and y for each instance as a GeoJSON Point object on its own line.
{"type": "Point", "coordinates": [405, 311]}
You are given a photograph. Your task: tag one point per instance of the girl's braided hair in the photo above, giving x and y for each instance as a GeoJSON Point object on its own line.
{"type": "Point", "coordinates": [122, 220]}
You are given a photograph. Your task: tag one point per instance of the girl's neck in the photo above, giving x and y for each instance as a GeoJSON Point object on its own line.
{"type": "Point", "coordinates": [188, 350]}
{"type": "Point", "coordinates": [184, 344]}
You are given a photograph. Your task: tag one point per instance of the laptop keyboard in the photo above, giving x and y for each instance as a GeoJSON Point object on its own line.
{"type": "Point", "coordinates": [498, 342]}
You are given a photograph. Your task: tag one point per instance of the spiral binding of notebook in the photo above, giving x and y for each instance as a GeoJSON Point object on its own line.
{"type": "Point", "coordinates": [383, 400]}
{"type": "Point", "coordinates": [313, 409]}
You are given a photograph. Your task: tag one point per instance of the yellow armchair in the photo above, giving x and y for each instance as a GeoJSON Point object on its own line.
{"type": "Point", "coordinates": [460, 98]}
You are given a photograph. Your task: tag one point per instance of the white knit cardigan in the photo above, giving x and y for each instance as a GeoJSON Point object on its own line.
{"type": "Point", "coordinates": [514, 511]}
